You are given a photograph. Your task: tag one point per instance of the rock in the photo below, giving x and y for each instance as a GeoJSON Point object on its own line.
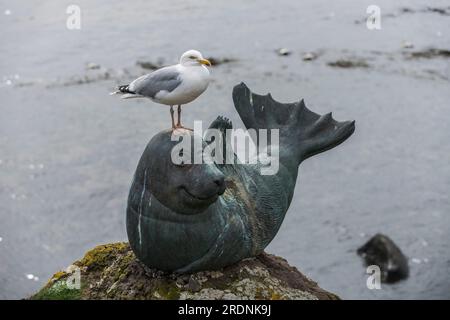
{"type": "Point", "coordinates": [428, 54]}
{"type": "Point", "coordinates": [92, 66]}
{"type": "Point", "coordinates": [218, 61]}
{"type": "Point", "coordinates": [283, 52]}
{"type": "Point", "coordinates": [407, 45]}
{"type": "Point", "coordinates": [150, 65]}
{"type": "Point", "coordinates": [194, 285]}
{"type": "Point", "coordinates": [445, 11]}
{"type": "Point", "coordinates": [112, 271]}
{"type": "Point", "coordinates": [380, 250]}
{"type": "Point", "coordinates": [344, 63]}
{"type": "Point", "coordinates": [309, 56]}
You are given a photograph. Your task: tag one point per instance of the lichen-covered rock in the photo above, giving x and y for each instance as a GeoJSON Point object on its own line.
{"type": "Point", "coordinates": [112, 272]}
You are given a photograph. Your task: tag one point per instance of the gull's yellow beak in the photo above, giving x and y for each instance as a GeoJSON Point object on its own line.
{"type": "Point", "coordinates": [205, 62]}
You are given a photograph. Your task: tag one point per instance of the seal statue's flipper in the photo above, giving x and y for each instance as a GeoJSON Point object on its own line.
{"type": "Point", "coordinates": [313, 133]}
{"type": "Point", "coordinates": [223, 124]}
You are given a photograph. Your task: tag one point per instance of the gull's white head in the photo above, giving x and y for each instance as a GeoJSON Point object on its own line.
{"type": "Point", "coordinates": [193, 58]}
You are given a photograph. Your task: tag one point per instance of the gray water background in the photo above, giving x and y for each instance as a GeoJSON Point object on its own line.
{"type": "Point", "coordinates": [68, 150]}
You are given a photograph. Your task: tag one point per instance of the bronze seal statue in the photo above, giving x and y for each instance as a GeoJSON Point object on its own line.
{"type": "Point", "coordinates": [191, 217]}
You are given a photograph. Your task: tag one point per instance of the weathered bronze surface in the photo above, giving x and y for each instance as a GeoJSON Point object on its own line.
{"type": "Point", "coordinates": [192, 217]}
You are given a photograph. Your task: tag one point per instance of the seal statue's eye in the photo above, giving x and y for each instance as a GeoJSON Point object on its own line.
{"type": "Point", "coordinates": [184, 164]}
{"type": "Point", "coordinates": [181, 164]}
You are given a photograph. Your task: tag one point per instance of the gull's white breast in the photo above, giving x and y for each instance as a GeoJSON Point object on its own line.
{"type": "Point", "coordinates": [195, 80]}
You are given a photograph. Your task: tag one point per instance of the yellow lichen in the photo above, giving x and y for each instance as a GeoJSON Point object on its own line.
{"type": "Point", "coordinates": [276, 296]}
{"type": "Point", "coordinates": [167, 291]}
{"type": "Point", "coordinates": [100, 255]}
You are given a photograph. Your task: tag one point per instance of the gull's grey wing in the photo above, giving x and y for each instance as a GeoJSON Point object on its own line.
{"type": "Point", "coordinates": [164, 79]}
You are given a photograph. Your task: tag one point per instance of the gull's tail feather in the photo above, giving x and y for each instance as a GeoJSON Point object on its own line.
{"type": "Point", "coordinates": [125, 92]}
{"type": "Point", "coordinates": [131, 96]}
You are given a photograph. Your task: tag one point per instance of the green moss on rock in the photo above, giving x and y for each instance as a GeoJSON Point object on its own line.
{"type": "Point", "coordinates": [57, 291]}
{"type": "Point", "coordinates": [112, 271]}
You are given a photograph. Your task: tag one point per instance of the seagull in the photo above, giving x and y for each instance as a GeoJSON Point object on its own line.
{"type": "Point", "coordinates": [178, 84]}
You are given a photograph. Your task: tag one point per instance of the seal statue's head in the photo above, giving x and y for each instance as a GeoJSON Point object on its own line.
{"type": "Point", "coordinates": [172, 176]}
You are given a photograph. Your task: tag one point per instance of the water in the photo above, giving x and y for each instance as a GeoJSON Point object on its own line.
{"type": "Point", "coordinates": [68, 150]}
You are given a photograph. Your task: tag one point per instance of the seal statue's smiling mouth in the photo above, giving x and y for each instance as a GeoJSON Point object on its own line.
{"type": "Point", "coordinates": [186, 192]}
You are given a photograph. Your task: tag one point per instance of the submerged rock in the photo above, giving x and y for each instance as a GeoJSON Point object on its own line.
{"type": "Point", "coordinates": [380, 250]}
{"type": "Point", "coordinates": [150, 65]}
{"type": "Point", "coordinates": [349, 63]}
{"type": "Point", "coordinates": [429, 54]}
{"type": "Point", "coordinates": [112, 272]}
{"type": "Point", "coordinates": [218, 61]}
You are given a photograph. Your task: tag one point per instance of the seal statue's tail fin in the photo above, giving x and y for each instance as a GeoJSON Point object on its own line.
{"type": "Point", "coordinates": [302, 132]}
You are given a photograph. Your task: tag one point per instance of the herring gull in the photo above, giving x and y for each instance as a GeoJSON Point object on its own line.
{"type": "Point", "coordinates": [172, 85]}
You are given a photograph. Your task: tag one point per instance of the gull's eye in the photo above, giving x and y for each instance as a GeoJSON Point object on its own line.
{"type": "Point", "coordinates": [192, 57]}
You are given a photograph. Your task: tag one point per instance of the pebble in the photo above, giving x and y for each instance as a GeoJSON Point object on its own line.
{"type": "Point", "coordinates": [193, 285]}
{"type": "Point", "coordinates": [284, 52]}
{"type": "Point", "coordinates": [407, 45]}
{"type": "Point", "coordinates": [92, 66]}
{"type": "Point", "coordinates": [309, 56]}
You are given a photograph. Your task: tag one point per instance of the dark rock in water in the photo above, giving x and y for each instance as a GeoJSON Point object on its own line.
{"type": "Point", "coordinates": [428, 54]}
{"type": "Point", "coordinates": [150, 65]}
{"type": "Point", "coordinates": [112, 271]}
{"type": "Point", "coordinates": [380, 250]}
{"type": "Point", "coordinates": [347, 64]}
{"type": "Point", "coordinates": [218, 61]}
{"type": "Point", "coordinates": [445, 11]}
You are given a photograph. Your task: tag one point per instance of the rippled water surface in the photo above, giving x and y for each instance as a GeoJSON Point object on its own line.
{"type": "Point", "coordinates": [68, 150]}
